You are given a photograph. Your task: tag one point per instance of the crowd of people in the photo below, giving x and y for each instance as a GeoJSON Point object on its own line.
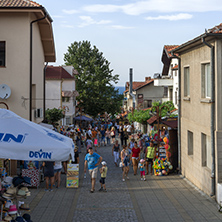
{"type": "Point", "coordinates": [128, 149]}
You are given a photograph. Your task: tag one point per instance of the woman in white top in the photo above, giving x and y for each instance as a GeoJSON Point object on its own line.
{"type": "Point", "coordinates": [125, 159]}
{"type": "Point", "coordinates": [57, 172]}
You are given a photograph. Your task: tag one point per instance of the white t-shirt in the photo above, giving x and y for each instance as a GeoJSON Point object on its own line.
{"type": "Point", "coordinates": [58, 165]}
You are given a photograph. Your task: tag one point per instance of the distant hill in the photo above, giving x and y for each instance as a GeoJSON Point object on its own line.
{"type": "Point", "coordinates": [120, 88]}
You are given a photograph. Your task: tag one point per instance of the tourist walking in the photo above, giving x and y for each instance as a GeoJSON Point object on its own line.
{"type": "Point", "coordinates": [92, 160]}
{"type": "Point", "coordinates": [78, 141]}
{"type": "Point", "coordinates": [135, 157]}
{"type": "Point", "coordinates": [108, 136]}
{"type": "Point", "coordinates": [112, 133]}
{"type": "Point", "coordinates": [150, 157]}
{"type": "Point", "coordinates": [116, 152]}
{"type": "Point", "coordinates": [125, 159]}
{"type": "Point", "coordinates": [103, 171]}
{"type": "Point", "coordinates": [57, 172]}
{"type": "Point", "coordinates": [48, 174]}
{"type": "Point", "coordinates": [142, 169]}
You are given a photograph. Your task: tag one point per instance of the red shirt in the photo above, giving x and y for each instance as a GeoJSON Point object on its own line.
{"type": "Point", "coordinates": [135, 152]}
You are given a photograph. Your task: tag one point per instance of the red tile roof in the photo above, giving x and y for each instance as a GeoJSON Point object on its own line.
{"type": "Point", "coordinates": [169, 48]}
{"type": "Point", "coordinates": [18, 4]}
{"type": "Point", "coordinates": [216, 29]}
{"type": "Point", "coordinates": [58, 72]}
{"type": "Point", "coordinates": [138, 85]}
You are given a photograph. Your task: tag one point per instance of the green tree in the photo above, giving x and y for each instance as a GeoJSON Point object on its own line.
{"type": "Point", "coordinates": [141, 116]}
{"type": "Point", "coordinates": [53, 115]}
{"type": "Point", "coordinates": [95, 79]}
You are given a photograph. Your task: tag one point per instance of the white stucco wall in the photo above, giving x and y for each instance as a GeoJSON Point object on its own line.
{"type": "Point", "coordinates": [16, 34]}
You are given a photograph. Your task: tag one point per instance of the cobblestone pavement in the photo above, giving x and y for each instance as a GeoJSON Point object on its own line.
{"type": "Point", "coordinates": [167, 198]}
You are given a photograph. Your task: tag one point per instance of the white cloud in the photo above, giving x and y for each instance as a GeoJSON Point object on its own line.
{"type": "Point", "coordinates": [70, 12]}
{"type": "Point", "coordinates": [121, 27]}
{"type": "Point", "coordinates": [67, 26]}
{"type": "Point", "coordinates": [57, 16]}
{"type": "Point", "coordinates": [141, 7]}
{"type": "Point", "coordinates": [181, 16]}
{"type": "Point", "coordinates": [87, 20]}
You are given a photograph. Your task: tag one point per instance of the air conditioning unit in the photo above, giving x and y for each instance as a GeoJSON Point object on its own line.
{"type": "Point", "coordinates": [39, 113]}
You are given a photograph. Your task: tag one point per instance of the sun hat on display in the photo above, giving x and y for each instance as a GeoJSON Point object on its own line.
{"type": "Point", "coordinates": [142, 160]}
{"type": "Point", "coordinates": [12, 209]}
{"type": "Point", "coordinates": [24, 207]}
{"type": "Point", "coordinates": [7, 196]}
{"type": "Point", "coordinates": [25, 189]}
{"type": "Point", "coordinates": [103, 163]}
{"type": "Point", "coordinates": [7, 218]}
{"type": "Point", "coordinates": [21, 193]}
{"type": "Point", "coordinates": [11, 190]}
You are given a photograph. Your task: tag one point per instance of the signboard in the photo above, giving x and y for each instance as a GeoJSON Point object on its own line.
{"type": "Point", "coordinates": [72, 180]}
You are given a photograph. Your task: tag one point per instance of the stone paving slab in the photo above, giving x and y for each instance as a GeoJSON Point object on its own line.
{"type": "Point", "coordinates": [166, 198]}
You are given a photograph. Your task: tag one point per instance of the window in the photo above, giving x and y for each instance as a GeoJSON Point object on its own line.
{"type": "Point", "coordinates": [206, 80]}
{"type": "Point", "coordinates": [68, 120]}
{"type": "Point", "coordinates": [149, 103]}
{"type": "Point", "coordinates": [165, 92]}
{"type": "Point", "coordinates": [171, 68]}
{"type": "Point", "coordinates": [65, 99]}
{"type": "Point", "coordinates": [206, 150]}
{"type": "Point", "coordinates": [176, 98]}
{"type": "Point", "coordinates": [171, 94]}
{"type": "Point", "coordinates": [186, 81]}
{"type": "Point", "coordinates": [175, 71]}
{"type": "Point", "coordinates": [190, 142]}
{"type": "Point", "coordinates": [2, 54]}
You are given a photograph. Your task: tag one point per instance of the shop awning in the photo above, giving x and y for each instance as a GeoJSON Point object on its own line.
{"type": "Point", "coordinates": [173, 123]}
{"type": "Point", "coordinates": [152, 120]}
{"type": "Point", "coordinates": [22, 139]}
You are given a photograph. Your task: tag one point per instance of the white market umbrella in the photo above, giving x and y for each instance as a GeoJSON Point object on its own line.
{"type": "Point", "coordinates": [21, 139]}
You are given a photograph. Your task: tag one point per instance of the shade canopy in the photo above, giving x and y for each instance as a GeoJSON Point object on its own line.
{"type": "Point", "coordinates": [21, 139]}
{"type": "Point", "coordinates": [83, 118]}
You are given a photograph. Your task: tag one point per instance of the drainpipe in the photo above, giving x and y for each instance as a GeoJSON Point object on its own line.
{"type": "Point", "coordinates": [212, 123]}
{"type": "Point", "coordinates": [30, 77]}
{"type": "Point", "coordinates": [179, 112]}
{"type": "Point", "coordinates": [44, 73]}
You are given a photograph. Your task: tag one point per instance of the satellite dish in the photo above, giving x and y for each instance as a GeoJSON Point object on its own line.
{"type": "Point", "coordinates": [5, 91]}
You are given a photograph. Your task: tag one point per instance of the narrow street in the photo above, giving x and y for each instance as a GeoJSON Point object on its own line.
{"type": "Point", "coordinates": [166, 198]}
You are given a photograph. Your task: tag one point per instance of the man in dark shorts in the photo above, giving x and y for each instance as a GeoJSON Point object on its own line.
{"type": "Point", "coordinates": [150, 157]}
{"type": "Point", "coordinates": [49, 174]}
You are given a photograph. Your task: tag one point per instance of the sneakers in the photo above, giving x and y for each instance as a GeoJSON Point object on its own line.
{"type": "Point", "coordinates": [101, 189]}
{"type": "Point", "coordinates": [127, 178]}
{"type": "Point", "coordinates": [104, 190]}
{"type": "Point", "coordinates": [144, 179]}
{"type": "Point", "coordinates": [123, 180]}
{"type": "Point", "coordinates": [141, 178]}
{"type": "Point", "coordinates": [46, 190]}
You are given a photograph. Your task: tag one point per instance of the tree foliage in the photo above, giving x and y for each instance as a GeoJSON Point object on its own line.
{"type": "Point", "coordinates": [141, 116]}
{"type": "Point", "coordinates": [53, 115]}
{"type": "Point", "coordinates": [94, 82]}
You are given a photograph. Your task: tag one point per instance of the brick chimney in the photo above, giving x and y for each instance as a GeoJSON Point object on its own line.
{"type": "Point", "coordinates": [147, 79]}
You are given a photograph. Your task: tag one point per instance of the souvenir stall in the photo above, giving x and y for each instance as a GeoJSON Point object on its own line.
{"type": "Point", "coordinates": [27, 141]}
{"type": "Point", "coordinates": [162, 165]}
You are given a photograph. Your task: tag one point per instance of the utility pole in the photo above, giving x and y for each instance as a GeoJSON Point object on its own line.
{"type": "Point", "coordinates": [131, 92]}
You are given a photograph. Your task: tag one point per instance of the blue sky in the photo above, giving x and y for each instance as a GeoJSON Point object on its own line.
{"type": "Point", "coordinates": [131, 34]}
